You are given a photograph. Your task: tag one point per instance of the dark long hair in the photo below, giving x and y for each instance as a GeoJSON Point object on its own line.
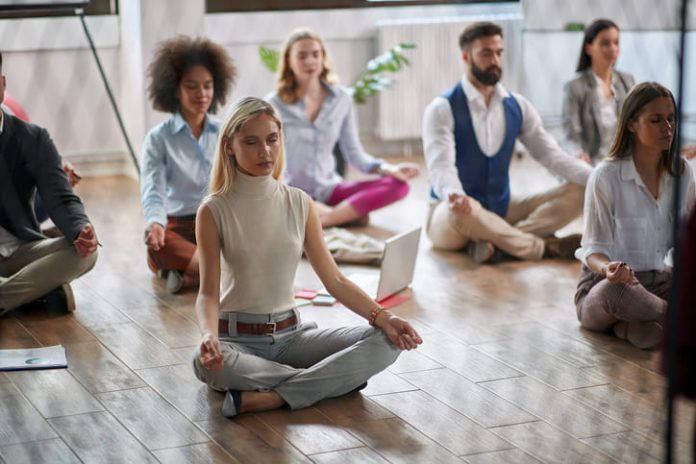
{"type": "Point", "coordinates": [597, 26]}
{"type": "Point", "coordinates": [634, 104]}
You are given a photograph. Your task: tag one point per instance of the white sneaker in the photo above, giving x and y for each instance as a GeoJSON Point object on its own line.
{"type": "Point", "coordinates": [480, 251]}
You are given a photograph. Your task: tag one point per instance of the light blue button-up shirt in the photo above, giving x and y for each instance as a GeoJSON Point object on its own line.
{"type": "Point", "coordinates": [175, 169]}
{"type": "Point", "coordinates": [309, 161]}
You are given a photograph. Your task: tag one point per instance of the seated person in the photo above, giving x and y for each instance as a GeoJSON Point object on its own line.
{"type": "Point", "coordinates": [33, 267]}
{"type": "Point", "coordinates": [317, 115]}
{"type": "Point", "coordinates": [251, 233]}
{"type": "Point", "coordinates": [469, 136]}
{"type": "Point", "coordinates": [11, 107]}
{"type": "Point", "coordinates": [189, 78]}
{"type": "Point", "coordinates": [592, 100]}
{"type": "Point", "coordinates": [627, 243]}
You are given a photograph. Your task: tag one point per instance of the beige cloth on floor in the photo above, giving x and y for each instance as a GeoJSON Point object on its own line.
{"type": "Point", "coordinates": [351, 248]}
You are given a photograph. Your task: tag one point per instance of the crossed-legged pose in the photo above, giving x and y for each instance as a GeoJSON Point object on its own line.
{"type": "Point", "coordinates": [189, 78]}
{"type": "Point", "coordinates": [317, 115]}
{"type": "Point", "coordinates": [469, 136]}
{"type": "Point", "coordinates": [627, 243]}
{"type": "Point", "coordinates": [251, 233]}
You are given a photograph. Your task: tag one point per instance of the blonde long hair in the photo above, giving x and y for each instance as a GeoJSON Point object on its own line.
{"type": "Point", "coordinates": [286, 84]}
{"type": "Point", "coordinates": [225, 165]}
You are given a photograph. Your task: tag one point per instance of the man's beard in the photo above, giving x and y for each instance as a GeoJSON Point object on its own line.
{"type": "Point", "coordinates": [490, 76]}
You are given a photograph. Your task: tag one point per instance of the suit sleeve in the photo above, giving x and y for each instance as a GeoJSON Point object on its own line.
{"type": "Point", "coordinates": [62, 205]}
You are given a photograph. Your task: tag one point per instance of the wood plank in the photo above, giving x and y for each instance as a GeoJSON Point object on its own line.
{"type": "Point", "coordinates": [465, 360]}
{"type": "Point", "coordinates": [386, 382]}
{"type": "Point", "coordinates": [351, 408]}
{"type": "Point", "coordinates": [470, 399]}
{"type": "Point", "coordinates": [309, 430]}
{"type": "Point", "coordinates": [251, 441]}
{"type": "Point", "coordinates": [134, 346]}
{"type": "Point", "coordinates": [441, 423]}
{"type": "Point", "coordinates": [633, 378]}
{"type": "Point", "coordinates": [14, 336]}
{"type": "Point", "coordinates": [516, 456]}
{"type": "Point", "coordinates": [555, 407]}
{"type": "Point", "coordinates": [548, 444]}
{"type": "Point", "coordinates": [536, 363]}
{"type": "Point", "coordinates": [362, 455]}
{"type": "Point", "coordinates": [150, 312]}
{"type": "Point", "coordinates": [55, 329]}
{"type": "Point", "coordinates": [178, 385]}
{"type": "Point", "coordinates": [206, 453]}
{"type": "Point", "coordinates": [54, 392]}
{"type": "Point", "coordinates": [550, 341]}
{"type": "Point", "coordinates": [401, 443]}
{"type": "Point", "coordinates": [19, 421]}
{"type": "Point", "coordinates": [94, 311]}
{"type": "Point", "coordinates": [628, 447]}
{"type": "Point", "coordinates": [637, 413]}
{"type": "Point", "coordinates": [608, 342]}
{"type": "Point", "coordinates": [98, 437]}
{"type": "Point", "coordinates": [153, 421]}
{"type": "Point", "coordinates": [413, 361]}
{"type": "Point", "coordinates": [54, 451]}
{"type": "Point", "coordinates": [99, 370]}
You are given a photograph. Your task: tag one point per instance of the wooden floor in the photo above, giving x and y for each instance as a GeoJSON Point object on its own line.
{"type": "Point", "coordinates": [505, 374]}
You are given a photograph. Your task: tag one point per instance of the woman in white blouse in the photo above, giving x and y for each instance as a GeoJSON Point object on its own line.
{"type": "Point", "coordinates": [627, 243]}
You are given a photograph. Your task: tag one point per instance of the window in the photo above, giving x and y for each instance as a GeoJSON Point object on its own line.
{"type": "Point", "coordinates": [222, 6]}
{"type": "Point", "coordinates": [44, 8]}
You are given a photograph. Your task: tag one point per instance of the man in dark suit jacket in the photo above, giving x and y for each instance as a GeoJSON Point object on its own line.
{"type": "Point", "coordinates": [33, 267]}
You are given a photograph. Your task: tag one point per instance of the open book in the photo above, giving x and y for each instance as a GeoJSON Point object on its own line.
{"type": "Point", "coordinates": [49, 357]}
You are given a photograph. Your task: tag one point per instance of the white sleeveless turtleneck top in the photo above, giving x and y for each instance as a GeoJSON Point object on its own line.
{"type": "Point", "coordinates": [261, 224]}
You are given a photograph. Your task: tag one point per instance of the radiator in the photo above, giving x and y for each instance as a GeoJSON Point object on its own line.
{"type": "Point", "coordinates": [436, 65]}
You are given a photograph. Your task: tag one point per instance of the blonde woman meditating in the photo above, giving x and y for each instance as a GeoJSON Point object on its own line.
{"type": "Point", "coordinates": [251, 233]}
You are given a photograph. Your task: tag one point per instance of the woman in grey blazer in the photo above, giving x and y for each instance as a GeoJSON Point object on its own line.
{"type": "Point", "coordinates": [593, 97]}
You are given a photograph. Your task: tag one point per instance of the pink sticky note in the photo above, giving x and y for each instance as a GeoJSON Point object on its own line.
{"type": "Point", "coordinates": [306, 294]}
{"type": "Point", "coordinates": [394, 300]}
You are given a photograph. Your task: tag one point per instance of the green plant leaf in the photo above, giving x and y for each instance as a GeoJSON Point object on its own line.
{"type": "Point", "coordinates": [270, 58]}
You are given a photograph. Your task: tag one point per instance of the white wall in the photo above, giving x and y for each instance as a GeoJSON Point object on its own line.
{"type": "Point", "coordinates": [51, 72]}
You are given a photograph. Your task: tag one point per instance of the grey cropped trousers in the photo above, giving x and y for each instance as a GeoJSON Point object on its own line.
{"type": "Point", "coordinates": [302, 364]}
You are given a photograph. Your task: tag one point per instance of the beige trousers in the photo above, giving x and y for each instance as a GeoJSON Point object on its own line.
{"type": "Point", "coordinates": [36, 268]}
{"type": "Point", "coordinates": [520, 233]}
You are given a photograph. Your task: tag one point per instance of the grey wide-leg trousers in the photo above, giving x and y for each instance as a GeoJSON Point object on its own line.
{"type": "Point", "coordinates": [303, 365]}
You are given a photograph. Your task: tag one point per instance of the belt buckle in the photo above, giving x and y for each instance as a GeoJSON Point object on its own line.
{"type": "Point", "coordinates": [270, 327]}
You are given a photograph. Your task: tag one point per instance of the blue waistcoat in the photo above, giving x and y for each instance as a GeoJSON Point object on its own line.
{"type": "Point", "coordinates": [484, 178]}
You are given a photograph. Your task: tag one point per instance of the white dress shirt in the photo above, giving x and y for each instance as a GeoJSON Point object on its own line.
{"type": "Point", "coordinates": [624, 222]}
{"type": "Point", "coordinates": [489, 127]}
{"type": "Point", "coordinates": [608, 114]}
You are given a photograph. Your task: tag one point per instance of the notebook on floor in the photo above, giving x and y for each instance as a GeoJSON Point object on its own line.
{"type": "Point", "coordinates": [396, 270]}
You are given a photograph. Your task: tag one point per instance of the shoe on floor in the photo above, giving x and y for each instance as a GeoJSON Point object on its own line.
{"type": "Point", "coordinates": [643, 335]}
{"type": "Point", "coordinates": [69, 297]}
{"type": "Point", "coordinates": [232, 404]}
{"type": "Point", "coordinates": [480, 251]}
{"type": "Point", "coordinates": [178, 281]}
{"type": "Point", "coordinates": [60, 299]}
{"type": "Point", "coordinates": [561, 248]}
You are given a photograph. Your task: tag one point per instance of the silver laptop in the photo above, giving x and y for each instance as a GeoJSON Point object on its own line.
{"type": "Point", "coordinates": [396, 270]}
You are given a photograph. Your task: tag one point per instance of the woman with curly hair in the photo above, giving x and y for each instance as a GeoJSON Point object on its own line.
{"type": "Point", "coordinates": [317, 115]}
{"type": "Point", "coordinates": [189, 78]}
